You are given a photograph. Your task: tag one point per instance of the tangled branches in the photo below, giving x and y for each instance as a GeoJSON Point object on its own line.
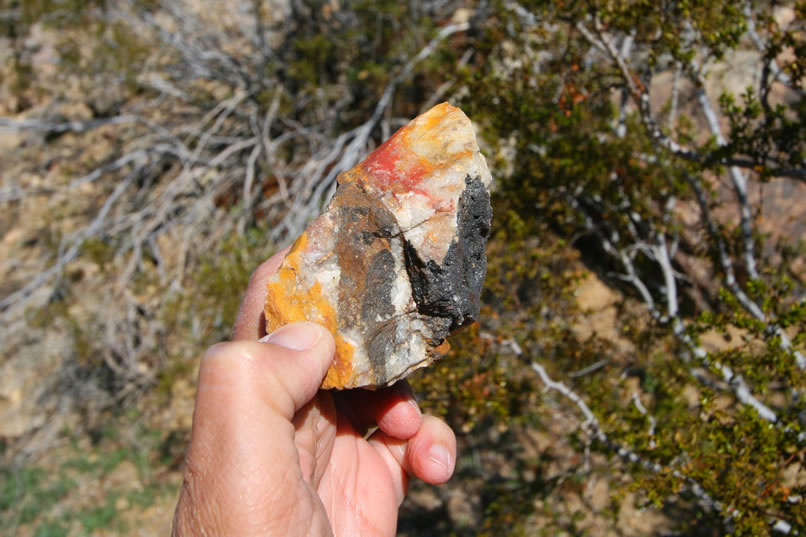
{"type": "Point", "coordinates": [239, 128]}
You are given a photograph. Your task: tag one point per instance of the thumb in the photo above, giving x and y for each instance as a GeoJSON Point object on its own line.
{"type": "Point", "coordinates": [242, 458]}
{"type": "Point", "coordinates": [302, 353]}
{"type": "Point", "coordinates": [281, 372]}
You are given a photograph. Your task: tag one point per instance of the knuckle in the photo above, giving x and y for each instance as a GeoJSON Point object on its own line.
{"type": "Point", "coordinates": [227, 349]}
{"type": "Point", "coordinates": [217, 350]}
{"type": "Point", "coordinates": [234, 359]}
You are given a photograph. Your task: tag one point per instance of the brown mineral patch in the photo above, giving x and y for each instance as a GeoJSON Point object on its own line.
{"type": "Point", "coordinates": [442, 349]}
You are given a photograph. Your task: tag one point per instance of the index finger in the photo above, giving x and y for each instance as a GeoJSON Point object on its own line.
{"type": "Point", "coordinates": [251, 324]}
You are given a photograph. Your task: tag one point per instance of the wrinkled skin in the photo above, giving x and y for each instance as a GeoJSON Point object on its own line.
{"type": "Point", "coordinates": [270, 454]}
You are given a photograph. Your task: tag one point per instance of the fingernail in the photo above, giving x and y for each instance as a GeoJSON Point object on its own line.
{"type": "Point", "coordinates": [297, 336]}
{"type": "Point", "coordinates": [416, 407]}
{"type": "Point", "coordinates": [439, 455]}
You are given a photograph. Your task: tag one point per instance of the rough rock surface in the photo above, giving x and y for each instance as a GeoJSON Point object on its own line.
{"type": "Point", "coordinates": [397, 261]}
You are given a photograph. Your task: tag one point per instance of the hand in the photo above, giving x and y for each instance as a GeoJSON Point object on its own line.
{"type": "Point", "coordinates": [271, 454]}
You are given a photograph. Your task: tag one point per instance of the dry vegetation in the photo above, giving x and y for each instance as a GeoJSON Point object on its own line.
{"type": "Point", "coordinates": [639, 368]}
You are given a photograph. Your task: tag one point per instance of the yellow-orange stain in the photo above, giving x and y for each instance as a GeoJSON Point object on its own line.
{"type": "Point", "coordinates": [289, 302]}
{"type": "Point", "coordinates": [434, 117]}
{"type": "Point", "coordinates": [427, 128]}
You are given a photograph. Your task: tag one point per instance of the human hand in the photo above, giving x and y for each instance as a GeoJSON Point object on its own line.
{"type": "Point", "coordinates": [271, 454]}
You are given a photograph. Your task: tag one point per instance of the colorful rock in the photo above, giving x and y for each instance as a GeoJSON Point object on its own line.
{"type": "Point", "coordinates": [397, 261]}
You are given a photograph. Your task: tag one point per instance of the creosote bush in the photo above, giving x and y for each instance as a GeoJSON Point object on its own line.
{"type": "Point", "coordinates": [596, 160]}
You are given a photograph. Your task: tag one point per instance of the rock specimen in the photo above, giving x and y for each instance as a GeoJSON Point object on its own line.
{"type": "Point", "coordinates": [397, 261]}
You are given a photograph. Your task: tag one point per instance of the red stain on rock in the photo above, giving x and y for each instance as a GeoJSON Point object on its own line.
{"type": "Point", "coordinates": [394, 168]}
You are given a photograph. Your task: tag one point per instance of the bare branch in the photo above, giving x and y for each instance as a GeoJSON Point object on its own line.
{"type": "Point", "coordinates": [68, 251]}
{"type": "Point", "coordinates": [592, 423]}
{"type": "Point", "coordinates": [652, 421]}
{"type": "Point", "coordinates": [590, 369]}
{"type": "Point", "coordinates": [640, 95]}
{"type": "Point", "coordinates": [737, 179]}
{"type": "Point", "coordinates": [772, 65]}
{"type": "Point", "coordinates": [45, 126]}
{"type": "Point", "coordinates": [659, 253]}
{"type": "Point", "coordinates": [730, 278]}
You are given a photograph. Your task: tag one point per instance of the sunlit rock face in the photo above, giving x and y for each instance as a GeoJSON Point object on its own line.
{"type": "Point", "coordinates": [397, 261]}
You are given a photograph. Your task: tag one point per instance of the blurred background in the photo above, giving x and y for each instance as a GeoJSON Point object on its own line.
{"type": "Point", "coordinates": [639, 365]}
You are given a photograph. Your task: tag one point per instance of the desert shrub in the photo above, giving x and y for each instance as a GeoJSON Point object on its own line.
{"type": "Point", "coordinates": [591, 157]}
